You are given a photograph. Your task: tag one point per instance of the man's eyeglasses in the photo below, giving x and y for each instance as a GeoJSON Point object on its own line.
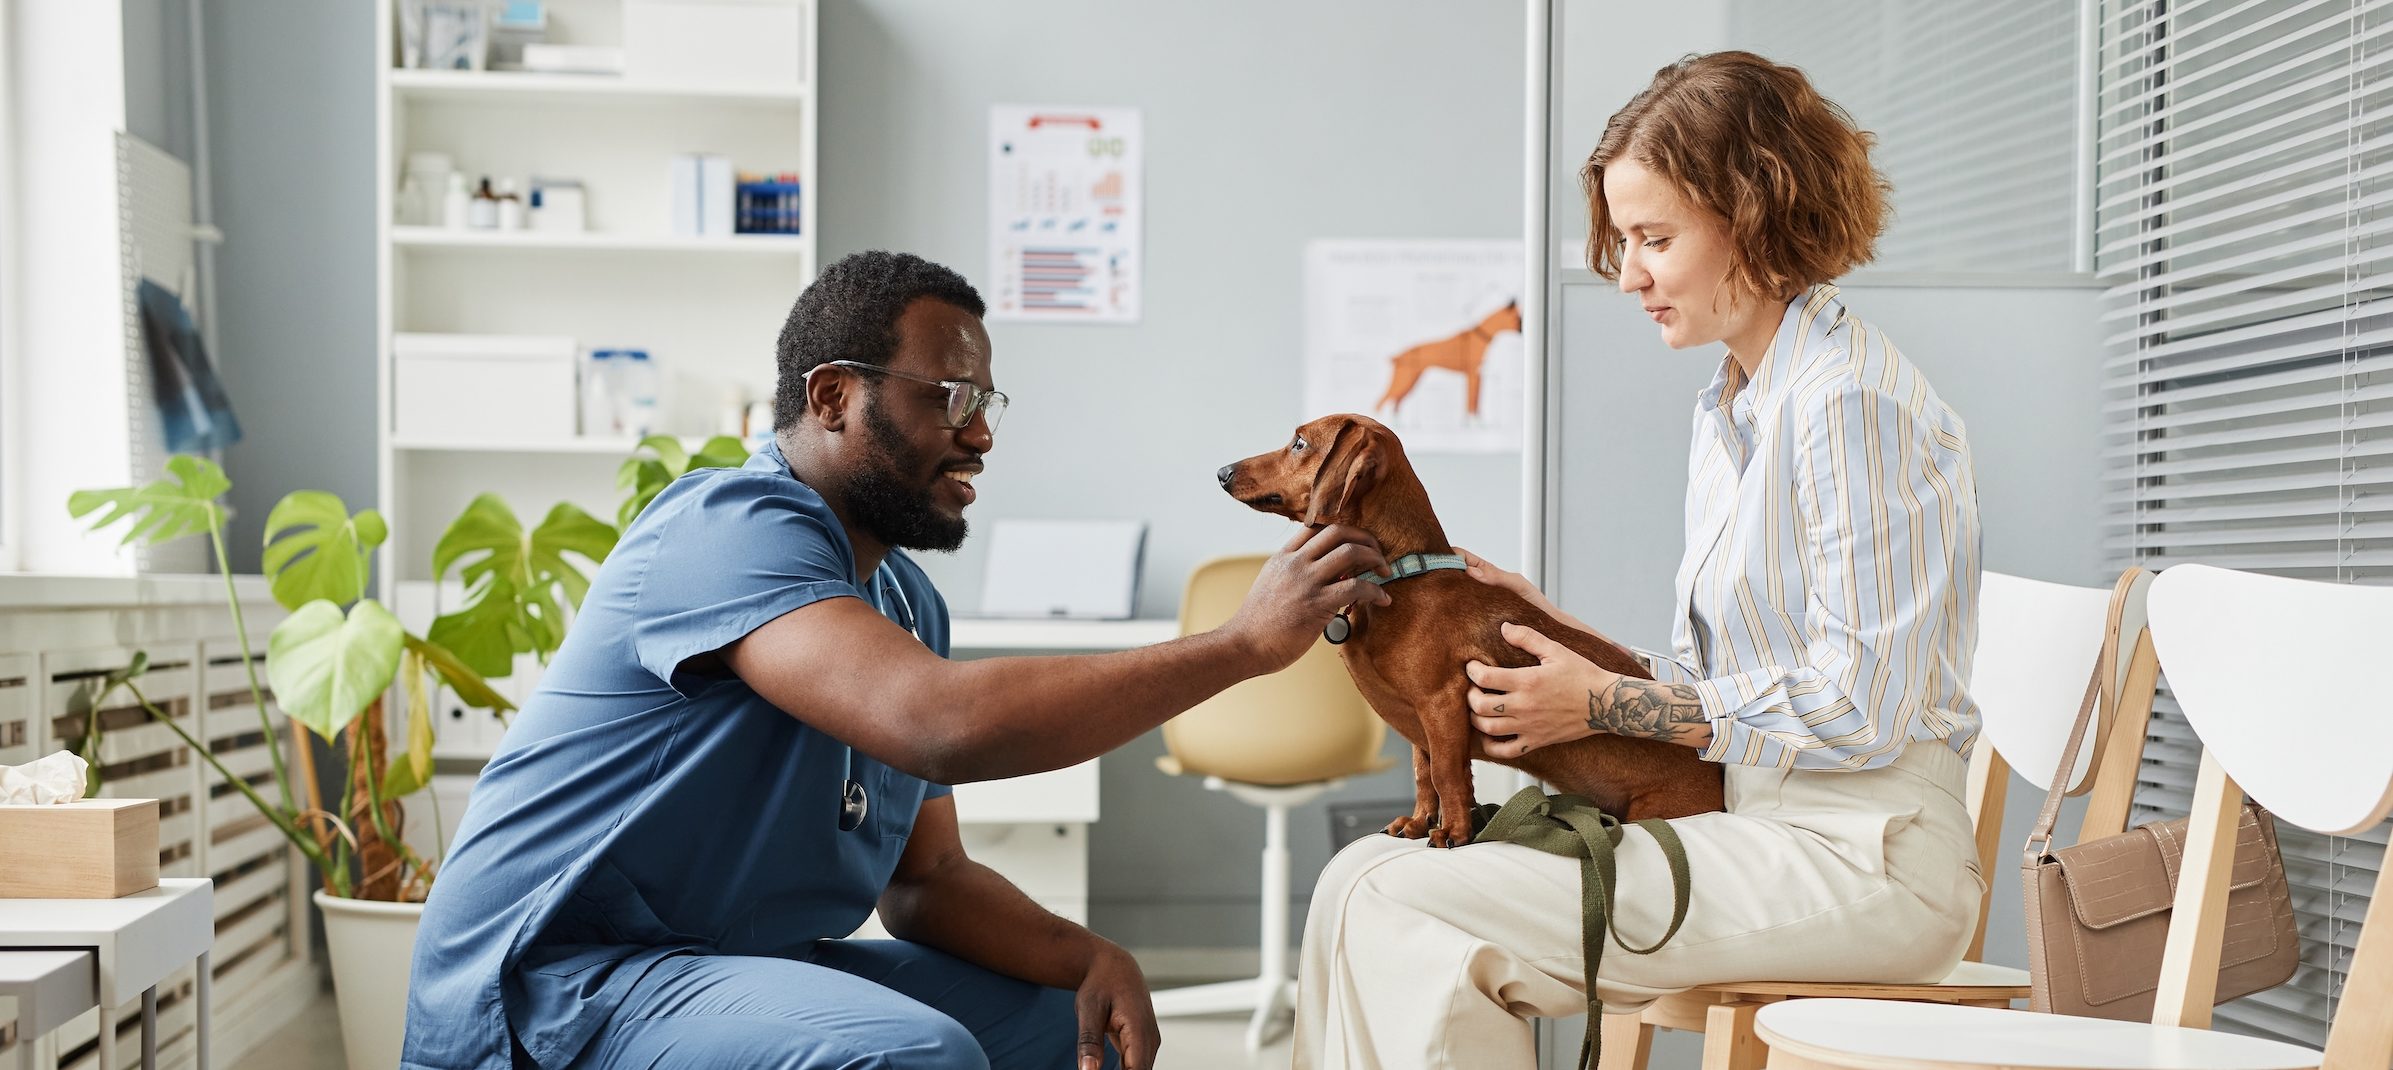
{"type": "Point", "coordinates": [963, 399]}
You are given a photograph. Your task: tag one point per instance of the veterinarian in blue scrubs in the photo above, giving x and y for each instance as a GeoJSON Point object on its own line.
{"type": "Point", "coordinates": [742, 749]}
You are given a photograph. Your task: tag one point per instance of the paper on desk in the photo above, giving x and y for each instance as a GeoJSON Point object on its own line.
{"type": "Point", "coordinates": [55, 779]}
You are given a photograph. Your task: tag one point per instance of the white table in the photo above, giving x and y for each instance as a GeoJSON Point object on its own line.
{"type": "Point", "coordinates": [135, 940]}
{"type": "Point", "coordinates": [50, 989]}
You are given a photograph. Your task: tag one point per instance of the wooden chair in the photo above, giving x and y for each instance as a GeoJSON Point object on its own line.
{"type": "Point", "coordinates": [2036, 644]}
{"type": "Point", "coordinates": [2282, 681]}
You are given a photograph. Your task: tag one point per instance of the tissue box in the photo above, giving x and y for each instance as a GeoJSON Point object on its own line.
{"type": "Point", "coordinates": [92, 849]}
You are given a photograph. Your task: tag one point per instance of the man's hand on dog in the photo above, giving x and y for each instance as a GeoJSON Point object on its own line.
{"type": "Point", "coordinates": [1519, 710]}
{"type": "Point", "coordinates": [1317, 573]}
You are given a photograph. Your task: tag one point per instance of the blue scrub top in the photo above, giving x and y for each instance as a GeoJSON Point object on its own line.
{"type": "Point", "coordinates": [637, 810]}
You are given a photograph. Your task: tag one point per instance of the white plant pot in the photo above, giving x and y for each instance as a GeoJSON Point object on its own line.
{"type": "Point", "coordinates": [373, 945]}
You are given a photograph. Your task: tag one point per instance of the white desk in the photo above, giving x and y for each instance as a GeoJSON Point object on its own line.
{"type": "Point", "coordinates": [1034, 829]}
{"type": "Point", "coordinates": [137, 939]}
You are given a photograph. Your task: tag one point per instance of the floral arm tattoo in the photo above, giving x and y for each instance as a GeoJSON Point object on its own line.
{"type": "Point", "coordinates": [1650, 709]}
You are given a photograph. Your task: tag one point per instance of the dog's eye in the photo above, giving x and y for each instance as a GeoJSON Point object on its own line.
{"type": "Point", "coordinates": [1298, 445]}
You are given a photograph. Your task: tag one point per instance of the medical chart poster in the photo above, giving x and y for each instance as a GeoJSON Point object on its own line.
{"type": "Point", "coordinates": [1424, 336]}
{"type": "Point", "coordinates": [1065, 214]}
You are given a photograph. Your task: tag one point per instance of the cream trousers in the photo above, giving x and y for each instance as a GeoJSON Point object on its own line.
{"type": "Point", "coordinates": [1417, 957]}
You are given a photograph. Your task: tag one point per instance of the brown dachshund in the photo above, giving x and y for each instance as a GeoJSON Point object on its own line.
{"type": "Point", "coordinates": [1407, 657]}
{"type": "Point", "coordinates": [1462, 352]}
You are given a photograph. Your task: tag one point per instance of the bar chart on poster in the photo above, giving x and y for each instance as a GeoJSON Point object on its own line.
{"type": "Point", "coordinates": [1065, 219]}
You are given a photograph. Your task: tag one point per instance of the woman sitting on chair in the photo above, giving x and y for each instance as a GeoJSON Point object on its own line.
{"type": "Point", "coordinates": [1827, 613]}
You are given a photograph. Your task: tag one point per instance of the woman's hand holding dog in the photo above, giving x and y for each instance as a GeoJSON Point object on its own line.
{"type": "Point", "coordinates": [1565, 697]}
{"type": "Point", "coordinates": [1519, 710]}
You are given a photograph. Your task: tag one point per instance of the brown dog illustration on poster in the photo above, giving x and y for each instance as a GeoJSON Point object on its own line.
{"type": "Point", "coordinates": [1462, 352]}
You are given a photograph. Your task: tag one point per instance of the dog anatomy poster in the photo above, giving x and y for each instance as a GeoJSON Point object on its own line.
{"type": "Point", "coordinates": [1065, 214]}
{"type": "Point", "coordinates": [1423, 335]}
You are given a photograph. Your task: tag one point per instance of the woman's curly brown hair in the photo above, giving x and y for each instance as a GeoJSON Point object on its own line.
{"type": "Point", "coordinates": [1751, 142]}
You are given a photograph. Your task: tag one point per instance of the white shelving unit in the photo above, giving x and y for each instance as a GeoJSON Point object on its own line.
{"type": "Point", "coordinates": [707, 309]}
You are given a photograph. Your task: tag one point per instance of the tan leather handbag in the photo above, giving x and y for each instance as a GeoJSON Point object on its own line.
{"type": "Point", "coordinates": [2098, 912]}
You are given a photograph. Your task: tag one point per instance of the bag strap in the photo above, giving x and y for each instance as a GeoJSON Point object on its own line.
{"type": "Point", "coordinates": [1571, 826]}
{"type": "Point", "coordinates": [2040, 839]}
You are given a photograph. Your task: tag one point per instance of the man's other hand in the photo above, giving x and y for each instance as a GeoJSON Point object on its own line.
{"type": "Point", "coordinates": [1112, 1001]}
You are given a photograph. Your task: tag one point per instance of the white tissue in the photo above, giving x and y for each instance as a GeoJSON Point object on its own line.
{"type": "Point", "coordinates": [55, 779]}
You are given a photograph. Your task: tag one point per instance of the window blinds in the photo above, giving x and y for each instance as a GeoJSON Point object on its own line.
{"type": "Point", "coordinates": [2244, 234]}
{"type": "Point", "coordinates": [1973, 105]}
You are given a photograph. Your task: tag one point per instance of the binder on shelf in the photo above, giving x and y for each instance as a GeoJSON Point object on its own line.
{"type": "Point", "coordinates": [685, 184]}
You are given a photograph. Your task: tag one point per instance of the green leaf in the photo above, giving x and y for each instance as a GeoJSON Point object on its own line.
{"type": "Point", "coordinates": [327, 668]}
{"type": "Point", "coordinates": [168, 509]}
{"type": "Point", "coordinates": [132, 671]}
{"type": "Point", "coordinates": [513, 581]}
{"type": "Point", "coordinates": [412, 768]}
{"type": "Point", "coordinates": [484, 635]}
{"type": "Point", "coordinates": [644, 475]}
{"type": "Point", "coordinates": [315, 549]}
{"type": "Point", "coordinates": [469, 685]}
{"type": "Point", "coordinates": [485, 525]}
{"type": "Point", "coordinates": [568, 530]}
{"type": "Point", "coordinates": [721, 451]}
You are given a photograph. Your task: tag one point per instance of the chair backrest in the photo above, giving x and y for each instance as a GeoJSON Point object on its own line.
{"type": "Point", "coordinates": [2037, 644]}
{"type": "Point", "coordinates": [2282, 680]}
{"type": "Point", "coordinates": [1303, 724]}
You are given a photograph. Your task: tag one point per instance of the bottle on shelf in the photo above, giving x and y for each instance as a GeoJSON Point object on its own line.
{"type": "Point", "coordinates": [635, 401]}
{"type": "Point", "coordinates": [420, 192]}
{"type": "Point", "coordinates": [453, 203]}
{"type": "Point", "coordinates": [510, 206]}
{"type": "Point", "coordinates": [483, 214]}
{"type": "Point", "coordinates": [598, 396]}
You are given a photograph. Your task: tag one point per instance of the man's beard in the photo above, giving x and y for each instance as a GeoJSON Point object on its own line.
{"type": "Point", "coordinates": [894, 511]}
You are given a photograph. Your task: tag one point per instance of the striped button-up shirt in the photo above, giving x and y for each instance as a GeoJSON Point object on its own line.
{"type": "Point", "coordinates": [1828, 598]}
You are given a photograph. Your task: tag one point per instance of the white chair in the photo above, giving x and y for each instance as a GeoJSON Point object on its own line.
{"type": "Point", "coordinates": [1276, 742]}
{"type": "Point", "coordinates": [2283, 682]}
{"type": "Point", "coordinates": [2037, 642]}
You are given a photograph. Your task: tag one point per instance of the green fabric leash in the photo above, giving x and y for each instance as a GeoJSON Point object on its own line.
{"type": "Point", "coordinates": [1570, 825]}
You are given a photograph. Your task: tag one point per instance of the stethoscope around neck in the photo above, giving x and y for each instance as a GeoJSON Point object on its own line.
{"type": "Point", "coordinates": [854, 802]}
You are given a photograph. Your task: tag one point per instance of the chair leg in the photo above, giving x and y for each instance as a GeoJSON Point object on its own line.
{"type": "Point", "coordinates": [1729, 1042]}
{"type": "Point", "coordinates": [1628, 1042]}
{"type": "Point", "coordinates": [1272, 982]}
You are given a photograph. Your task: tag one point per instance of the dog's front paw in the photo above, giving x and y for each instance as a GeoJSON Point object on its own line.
{"type": "Point", "coordinates": [1442, 836]}
{"type": "Point", "coordinates": [1410, 826]}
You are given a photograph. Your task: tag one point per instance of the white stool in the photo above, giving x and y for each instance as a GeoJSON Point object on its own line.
{"type": "Point", "coordinates": [51, 988]}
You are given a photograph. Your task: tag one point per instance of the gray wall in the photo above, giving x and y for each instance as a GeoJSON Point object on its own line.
{"type": "Point", "coordinates": [1267, 125]}
{"type": "Point", "coordinates": [291, 127]}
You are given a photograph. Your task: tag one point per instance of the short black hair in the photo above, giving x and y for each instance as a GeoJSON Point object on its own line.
{"type": "Point", "coordinates": [850, 313]}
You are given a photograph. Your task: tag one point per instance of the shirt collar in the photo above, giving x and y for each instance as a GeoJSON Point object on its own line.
{"type": "Point", "coordinates": [1810, 318]}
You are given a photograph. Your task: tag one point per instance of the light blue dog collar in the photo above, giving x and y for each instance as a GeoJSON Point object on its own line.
{"type": "Point", "coordinates": [1415, 564]}
{"type": "Point", "coordinates": [1405, 567]}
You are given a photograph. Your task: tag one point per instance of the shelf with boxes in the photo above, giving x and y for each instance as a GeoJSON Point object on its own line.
{"type": "Point", "coordinates": [489, 335]}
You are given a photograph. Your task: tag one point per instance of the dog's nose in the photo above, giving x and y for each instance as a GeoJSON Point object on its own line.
{"type": "Point", "coordinates": [1228, 472]}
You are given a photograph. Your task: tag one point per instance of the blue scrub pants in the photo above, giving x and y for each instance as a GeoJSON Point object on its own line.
{"type": "Point", "coordinates": [853, 1004]}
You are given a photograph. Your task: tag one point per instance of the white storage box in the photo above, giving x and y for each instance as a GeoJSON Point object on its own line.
{"type": "Point", "coordinates": [743, 44]}
{"type": "Point", "coordinates": [482, 388]}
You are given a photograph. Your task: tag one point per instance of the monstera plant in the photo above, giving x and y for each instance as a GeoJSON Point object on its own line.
{"type": "Point", "coordinates": [338, 652]}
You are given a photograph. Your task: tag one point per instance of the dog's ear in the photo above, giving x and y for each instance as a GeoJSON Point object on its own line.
{"type": "Point", "coordinates": [1349, 469]}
